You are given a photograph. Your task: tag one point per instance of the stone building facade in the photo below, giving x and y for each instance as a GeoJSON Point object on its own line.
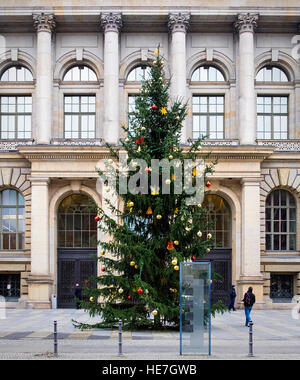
{"type": "Point", "coordinates": [68, 76]}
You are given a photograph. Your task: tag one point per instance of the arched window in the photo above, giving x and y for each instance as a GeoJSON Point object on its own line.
{"type": "Point", "coordinates": [219, 215]}
{"type": "Point", "coordinates": [76, 225]}
{"type": "Point", "coordinates": [139, 73]}
{"type": "Point", "coordinates": [80, 74]}
{"type": "Point", "coordinates": [207, 74]}
{"type": "Point", "coordinates": [271, 74]}
{"type": "Point", "coordinates": [12, 215]}
{"type": "Point", "coordinates": [16, 74]}
{"type": "Point", "coordinates": [281, 221]}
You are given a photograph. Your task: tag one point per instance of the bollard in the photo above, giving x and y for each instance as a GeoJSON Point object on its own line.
{"type": "Point", "coordinates": [55, 339]}
{"type": "Point", "coordinates": [120, 338]}
{"type": "Point", "coordinates": [250, 339]}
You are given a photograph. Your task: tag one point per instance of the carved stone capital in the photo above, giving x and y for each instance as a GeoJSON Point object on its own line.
{"type": "Point", "coordinates": [246, 22]}
{"type": "Point", "coordinates": [111, 21]}
{"type": "Point", "coordinates": [179, 22]}
{"type": "Point", "coordinates": [44, 22]}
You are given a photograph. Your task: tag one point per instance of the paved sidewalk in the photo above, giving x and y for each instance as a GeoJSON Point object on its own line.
{"type": "Point", "coordinates": [27, 334]}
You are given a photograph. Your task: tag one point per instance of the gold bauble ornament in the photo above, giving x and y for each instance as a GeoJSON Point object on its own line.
{"type": "Point", "coordinates": [176, 267]}
{"type": "Point", "coordinates": [154, 312]}
{"type": "Point", "coordinates": [132, 263]}
{"type": "Point", "coordinates": [136, 267]}
{"type": "Point", "coordinates": [102, 252]}
{"type": "Point", "coordinates": [207, 250]}
{"type": "Point", "coordinates": [120, 291]}
{"type": "Point", "coordinates": [170, 157]}
{"type": "Point", "coordinates": [199, 233]}
{"type": "Point", "coordinates": [168, 181]}
{"type": "Point", "coordinates": [158, 216]}
{"type": "Point", "coordinates": [176, 242]}
{"type": "Point", "coordinates": [209, 236]}
{"type": "Point", "coordinates": [174, 261]}
{"type": "Point", "coordinates": [91, 299]}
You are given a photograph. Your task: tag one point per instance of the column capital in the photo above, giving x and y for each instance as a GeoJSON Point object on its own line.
{"type": "Point", "coordinates": [246, 22]}
{"type": "Point", "coordinates": [111, 21]}
{"type": "Point", "coordinates": [251, 181]}
{"type": "Point", "coordinates": [179, 22]}
{"type": "Point", "coordinates": [44, 22]}
{"type": "Point", "coordinates": [39, 181]}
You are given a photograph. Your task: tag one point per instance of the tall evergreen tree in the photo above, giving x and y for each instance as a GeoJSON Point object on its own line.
{"type": "Point", "coordinates": [154, 232]}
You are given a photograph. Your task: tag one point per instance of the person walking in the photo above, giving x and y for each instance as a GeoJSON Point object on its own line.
{"type": "Point", "coordinates": [232, 295]}
{"type": "Point", "coordinates": [78, 295]}
{"type": "Point", "coordinates": [249, 301]}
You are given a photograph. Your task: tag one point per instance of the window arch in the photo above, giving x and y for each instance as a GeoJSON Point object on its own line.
{"type": "Point", "coordinates": [271, 74]}
{"type": "Point", "coordinates": [219, 215]}
{"type": "Point", "coordinates": [207, 73]}
{"type": "Point", "coordinates": [12, 216]}
{"type": "Point", "coordinates": [76, 225]}
{"type": "Point", "coordinates": [139, 73]}
{"type": "Point", "coordinates": [281, 221]}
{"type": "Point", "coordinates": [16, 74]}
{"type": "Point", "coordinates": [80, 73]}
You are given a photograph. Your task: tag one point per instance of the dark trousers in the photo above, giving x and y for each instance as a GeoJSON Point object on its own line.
{"type": "Point", "coordinates": [231, 305]}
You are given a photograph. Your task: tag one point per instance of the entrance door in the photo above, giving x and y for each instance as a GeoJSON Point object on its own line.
{"type": "Point", "coordinates": [77, 242]}
{"type": "Point", "coordinates": [221, 264]}
{"type": "Point", "coordinates": [74, 267]}
{"type": "Point", "coordinates": [219, 217]}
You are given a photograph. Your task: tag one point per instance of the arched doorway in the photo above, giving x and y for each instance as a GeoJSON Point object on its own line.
{"type": "Point", "coordinates": [219, 214]}
{"type": "Point", "coordinates": [77, 246]}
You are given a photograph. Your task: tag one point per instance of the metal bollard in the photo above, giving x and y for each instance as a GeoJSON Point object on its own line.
{"type": "Point", "coordinates": [120, 338]}
{"type": "Point", "coordinates": [250, 339]}
{"type": "Point", "coordinates": [55, 339]}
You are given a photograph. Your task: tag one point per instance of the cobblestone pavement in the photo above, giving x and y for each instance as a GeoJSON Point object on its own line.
{"type": "Point", "coordinates": [28, 334]}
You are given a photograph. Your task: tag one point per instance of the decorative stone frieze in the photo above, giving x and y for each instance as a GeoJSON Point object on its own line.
{"type": "Point", "coordinates": [246, 22]}
{"type": "Point", "coordinates": [179, 22]}
{"type": "Point", "coordinates": [44, 22]}
{"type": "Point", "coordinates": [111, 21]}
{"type": "Point", "coordinates": [13, 145]}
{"type": "Point", "coordinates": [284, 146]}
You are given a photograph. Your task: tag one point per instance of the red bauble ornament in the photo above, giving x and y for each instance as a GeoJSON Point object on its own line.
{"type": "Point", "coordinates": [148, 170]}
{"type": "Point", "coordinates": [170, 245]}
{"type": "Point", "coordinates": [103, 269]}
{"type": "Point", "coordinates": [97, 218]}
{"type": "Point", "coordinates": [129, 297]}
{"type": "Point", "coordinates": [208, 184]}
{"type": "Point", "coordinates": [194, 258]}
{"type": "Point", "coordinates": [139, 140]}
{"type": "Point", "coordinates": [154, 107]}
{"type": "Point", "coordinates": [140, 290]}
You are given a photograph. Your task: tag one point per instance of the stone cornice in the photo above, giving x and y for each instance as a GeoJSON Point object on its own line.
{"type": "Point", "coordinates": [46, 153]}
{"type": "Point", "coordinates": [246, 22]}
{"type": "Point", "coordinates": [44, 22]}
{"type": "Point", "coordinates": [111, 21]}
{"type": "Point", "coordinates": [179, 22]}
{"type": "Point", "coordinates": [59, 153]}
{"type": "Point", "coordinates": [235, 153]}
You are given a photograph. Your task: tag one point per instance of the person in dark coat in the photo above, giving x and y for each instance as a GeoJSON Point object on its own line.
{"type": "Point", "coordinates": [232, 295]}
{"type": "Point", "coordinates": [249, 301]}
{"type": "Point", "coordinates": [78, 295]}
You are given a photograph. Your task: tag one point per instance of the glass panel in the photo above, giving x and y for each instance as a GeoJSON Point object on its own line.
{"type": "Point", "coordinates": [17, 74]}
{"type": "Point", "coordinates": [80, 74]}
{"type": "Point", "coordinates": [207, 74]}
{"type": "Point", "coordinates": [195, 322]}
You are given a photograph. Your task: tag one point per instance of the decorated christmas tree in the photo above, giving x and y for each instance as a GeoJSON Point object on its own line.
{"type": "Point", "coordinates": [159, 223]}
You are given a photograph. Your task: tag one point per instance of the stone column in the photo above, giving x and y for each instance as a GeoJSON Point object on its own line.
{"type": "Point", "coordinates": [39, 280]}
{"type": "Point", "coordinates": [250, 268]}
{"type": "Point", "coordinates": [245, 25]}
{"type": "Point", "coordinates": [178, 25]}
{"type": "Point", "coordinates": [44, 25]}
{"type": "Point", "coordinates": [111, 24]}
